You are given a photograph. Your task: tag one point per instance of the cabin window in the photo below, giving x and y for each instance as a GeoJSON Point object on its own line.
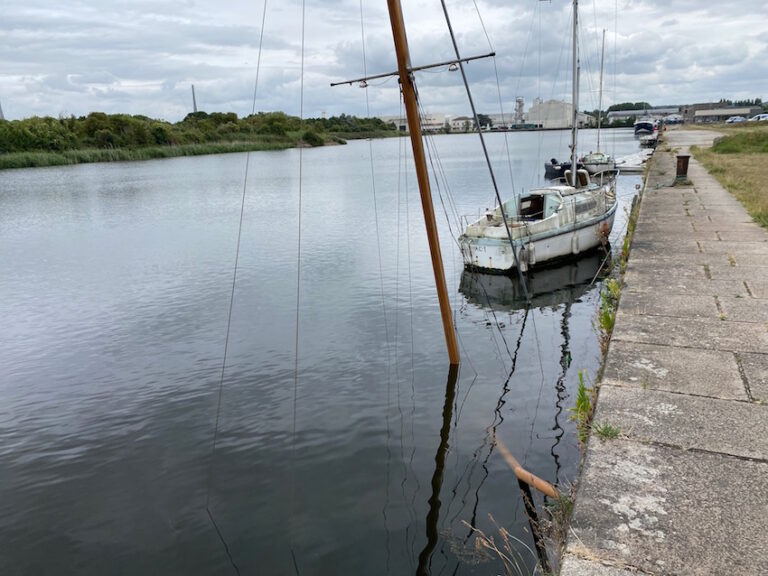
{"type": "Point", "coordinates": [551, 205]}
{"type": "Point", "coordinates": [532, 207]}
{"type": "Point", "coordinates": [586, 206]}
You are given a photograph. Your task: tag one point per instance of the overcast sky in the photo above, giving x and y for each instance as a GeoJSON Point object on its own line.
{"type": "Point", "coordinates": [141, 56]}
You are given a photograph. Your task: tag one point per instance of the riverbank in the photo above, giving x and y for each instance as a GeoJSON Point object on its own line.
{"type": "Point", "coordinates": [681, 490]}
{"type": "Point", "coordinates": [98, 137]}
{"type": "Point", "coordinates": [66, 157]}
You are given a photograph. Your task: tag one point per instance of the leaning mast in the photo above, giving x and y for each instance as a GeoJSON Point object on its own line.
{"type": "Point", "coordinates": [414, 128]}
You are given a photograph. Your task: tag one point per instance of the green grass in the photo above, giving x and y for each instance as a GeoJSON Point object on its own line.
{"type": "Point", "coordinates": [582, 411]}
{"type": "Point", "coordinates": [752, 142]}
{"type": "Point", "coordinates": [609, 300]}
{"type": "Point", "coordinates": [606, 431]}
{"type": "Point", "coordinates": [38, 159]}
{"type": "Point", "coordinates": [738, 162]}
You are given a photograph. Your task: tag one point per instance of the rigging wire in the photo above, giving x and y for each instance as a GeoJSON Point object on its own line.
{"type": "Point", "coordinates": [298, 296]}
{"type": "Point", "coordinates": [383, 299]}
{"type": "Point", "coordinates": [485, 150]}
{"type": "Point", "coordinates": [401, 175]}
{"type": "Point", "coordinates": [498, 89]}
{"type": "Point", "coordinates": [404, 153]}
{"type": "Point", "coordinates": [441, 177]}
{"type": "Point", "coordinates": [229, 312]}
{"type": "Point", "coordinates": [565, 41]}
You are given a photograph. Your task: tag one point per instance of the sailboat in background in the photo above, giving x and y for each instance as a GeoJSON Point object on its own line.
{"type": "Point", "coordinates": [546, 223]}
{"type": "Point", "coordinates": [596, 162]}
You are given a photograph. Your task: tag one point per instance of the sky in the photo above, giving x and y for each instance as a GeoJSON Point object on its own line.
{"type": "Point", "coordinates": [141, 57]}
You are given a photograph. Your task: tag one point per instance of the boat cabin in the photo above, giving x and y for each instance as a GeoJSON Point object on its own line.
{"type": "Point", "coordinates": [539, 205]}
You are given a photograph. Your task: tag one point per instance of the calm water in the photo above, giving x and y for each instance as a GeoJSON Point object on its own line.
{"type": "Point", "coordinates": [115, 283]}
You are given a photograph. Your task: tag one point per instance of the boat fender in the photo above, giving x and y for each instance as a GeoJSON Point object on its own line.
{"type": "Point", "coordinates": [575, 244]}
{"type": "Point", "coordinates": [522, 259]}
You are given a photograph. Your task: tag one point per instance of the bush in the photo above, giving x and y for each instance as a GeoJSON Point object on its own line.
{"type": "Point", "coordinates": [312, 138]}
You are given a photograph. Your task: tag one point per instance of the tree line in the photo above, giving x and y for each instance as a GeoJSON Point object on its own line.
{"type": "Point", "coordinates": [118, 131]}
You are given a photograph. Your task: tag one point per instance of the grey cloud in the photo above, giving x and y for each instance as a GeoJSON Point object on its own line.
{"type": "Point", "coordinates": [141, 56]}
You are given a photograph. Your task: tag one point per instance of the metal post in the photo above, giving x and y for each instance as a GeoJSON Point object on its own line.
{"type": "Point", "coordinates": [575, 95]}
{"type": "Point", "coordinates": [414, 127]}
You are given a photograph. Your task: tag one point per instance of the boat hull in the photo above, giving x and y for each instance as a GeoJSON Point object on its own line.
{"type": "Point", "coordinates": [556, 170]}
{"type": "Point", "coordinates": [642, 127]}
{"type": "Point", "coordinates": [495, 255]}
{"type": "Point", "coordinates": [598, 167]}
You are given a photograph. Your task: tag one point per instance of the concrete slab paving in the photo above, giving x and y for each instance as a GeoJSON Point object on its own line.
{"type": "Point", "coordinates": [758, 249]}
{"type": "Point", "coordinates": [685, 488]}
{"type": "Point", "coordinates": [739, 235]}
{"type": "Point", "coordinates": [666, 269]}
{"type": "Point", "coordinates": [755, 367]}
{"type": "Point", "coordinates": [744, 309]}
{"type": "Point", "coordinates": [578, 567]}
{"type": "Point", "coordinates": [693, 305]}
{"type": "Point", "coordinates": [669, 511]}
{"type": "Point", "coordinates": [647, 246]}
{"type": "Point", "coordinates": [740, 272]}
{"type": "Point", "coordinates": [757, 288]}
{"type": "Point", "coordinates": [672, 258]}
{"type": "Point", "coordinates": [736, 259]}
{"type": "Point", "coordinates": [688, 422]}
{"type": "Point", "coordinates": [682, 370]}
{"type": "Point", "coordinates": [692, 333]}
{"type": "Point", "coordinates": [663, 289]}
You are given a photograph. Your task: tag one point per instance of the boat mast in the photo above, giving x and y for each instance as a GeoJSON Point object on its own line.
{"type": "Point", "coordinates": [575, 93]}
{"type": "Point", "coordinates": [600, 105]}
{"type": "Point", "coordinates": [414, 128]}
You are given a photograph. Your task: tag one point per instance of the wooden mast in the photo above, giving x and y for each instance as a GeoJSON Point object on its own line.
{"type": "Point", "coordinates": [414, 127]}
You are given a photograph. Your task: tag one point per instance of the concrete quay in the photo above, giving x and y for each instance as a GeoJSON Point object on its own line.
{"type": "Point", "coordinates": [684, 489]}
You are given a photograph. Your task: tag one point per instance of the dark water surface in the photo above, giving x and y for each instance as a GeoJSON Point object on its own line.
{"type": "Point", "coordinates": [115, 282]}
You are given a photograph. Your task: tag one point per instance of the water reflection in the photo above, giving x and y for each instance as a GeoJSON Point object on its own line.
{"type": "Point", "coordinates": [112, 332]}
{"type": "Point", "coordinates": [437, 478]}
{"type": "Point", "coordinates": [548, 287]}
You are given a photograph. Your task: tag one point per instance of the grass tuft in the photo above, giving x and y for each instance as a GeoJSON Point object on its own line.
{"type": "Point", "coordinates": [606, 431]}
{"type": "Point", "coordinates": [582, 411]}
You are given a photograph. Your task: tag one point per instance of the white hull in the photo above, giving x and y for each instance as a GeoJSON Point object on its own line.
{"type": "Point", "coordinates": [497, 256]}
{"type": "Point", "coordinates": [596, 162]}
{"type": "Point", "coordinates": [597, 167]}
{"type": "Point", "coordinates": [565, 232]}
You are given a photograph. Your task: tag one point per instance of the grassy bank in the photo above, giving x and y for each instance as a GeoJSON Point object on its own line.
{"type": "Point", "coordinates": [738, 161]}
{"type": "Point", "coordinates": [100, 137]}
{"type": "Point", "coordinates": [38, 159]}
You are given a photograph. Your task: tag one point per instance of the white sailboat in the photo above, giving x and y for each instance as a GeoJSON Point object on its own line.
{"type": "Point", "coordinates": [547, 223]}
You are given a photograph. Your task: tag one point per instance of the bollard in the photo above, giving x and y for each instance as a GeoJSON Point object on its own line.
{"type": "Point", "coordinates": [682, 166]}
